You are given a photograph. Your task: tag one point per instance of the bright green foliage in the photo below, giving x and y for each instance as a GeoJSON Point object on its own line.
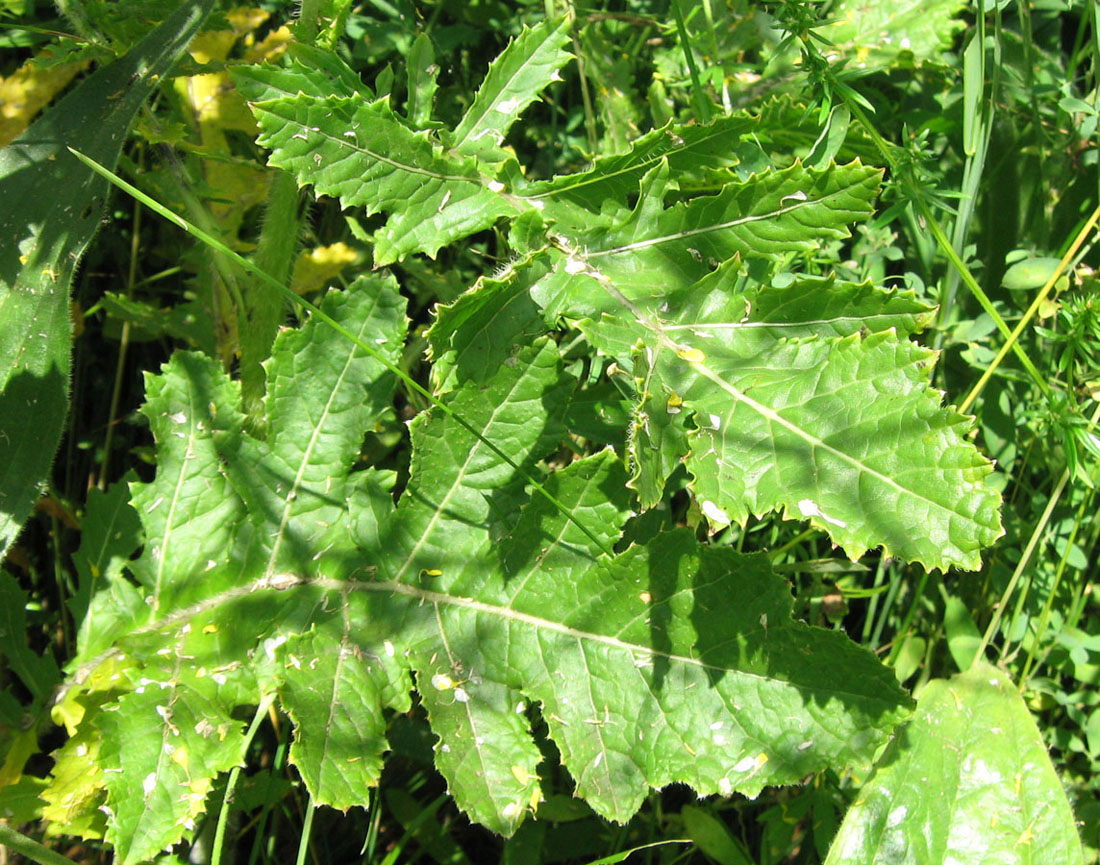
{"type": "Point", "coordinates": [364, 154]}
{"type": "Point", "coordinates": [514, 81]}
{"type": "Point", "coordinates": [517, 583]}
{"type": "Point", "coordinates": [842, 429]}
{"type": "Point", "coordinates": [879, 33]}
{"type": "Point", "coordinates": [967, 780]}
{"type": "Point", "coordinates": [269, 565]}
{"type": "Point", "coordinates": [371, 158]}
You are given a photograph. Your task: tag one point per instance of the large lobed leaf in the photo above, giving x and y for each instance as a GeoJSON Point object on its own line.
{"type": "Point", "coordinates": [772, 401]}
{"type": "Point", "coordinates": [499, 590]}
{"type": "Point", "coordinates": [274, 566]}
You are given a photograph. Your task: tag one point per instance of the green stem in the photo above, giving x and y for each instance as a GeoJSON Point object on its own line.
{"type": "Point", "coordinates": [698, 97]}
{"type": "Point", "coordinates": [872, 606]}
{"type": "Point", "coordinates": [1083, 510]}
{"type": "Point", "coordinates": [977, 129]}
{"type": "Point", "coordinates": [590, 131]}
{"type": "Point", "coordinates": [914, 194]}
{"type": "Point", "coordinates": [231, 783]}
{"type": "Point", "coordinates": [1033, 308]}
{"type": "Point", "coordinates": [1032, 542]}
{"type": "Point", "coordinates": [903, 631]}
{"type": "Point", "coordinates": [28, 847]}
{"type": "Point", "coordinates": [307, 829]}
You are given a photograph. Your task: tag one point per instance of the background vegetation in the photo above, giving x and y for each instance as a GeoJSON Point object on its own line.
{"type": "Point", "coordinates": [984, 118]}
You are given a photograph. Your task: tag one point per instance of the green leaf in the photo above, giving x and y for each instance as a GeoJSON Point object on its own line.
{"type": "Point", "coordinates": [422, 73]}
{"type": "Point", "coordinates": [307, 69]}
{"type": "Point", "coordinates": [163, 746]}
{"type": "Point", "coordinates": [458, 481]}
{"type": "Point", "coordinates": [963, 636]}
{"type": "Point", "coordinates": [109, 534]}
{"type": "Point", "coordinates": [514, 81]}
{"type": "Point", "coordinates": [340, 736]}
{"type": "Point", "coordinates": [185, 535]}
{"type": "Point", "coordinates": [494, 600]}
{"type": "Point", "coordinates": [796, 397]}
{"type": "Point", "coordinates": [44, 242]}
{"type": "Point", "coordinates": [673, 248]}
{"type": "Point", "coordinates": [878, 34]}
{"type": "Point", "coordinates": [1030, 274]}
{"type": "Point", "coordinates": [361, 153]}
{"type": "Point", "coordinates": [713, 838]}
{"type": "Point", "coordinates": [815, 428]}
{"type": "Point", "coordinates": [230, 523]}
{"type": "Point", "coordinates": [487, 325]}
{"type": "Point", "coordinates": [38, 673]}
{"type": "Point", "coordinates": [967, 780]}
{"type": "Point", "coordinates": [689, 150]}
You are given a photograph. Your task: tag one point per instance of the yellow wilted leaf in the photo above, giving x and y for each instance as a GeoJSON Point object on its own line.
{"type": "Point", "coordinates": [315, 267]}
{"type": "Point", "coordinates": [27, 91]}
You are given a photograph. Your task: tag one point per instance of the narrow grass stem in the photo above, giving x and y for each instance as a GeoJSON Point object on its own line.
{"type": "Point", "coordinates": [591, 135]}
{"type": "Point", "coordinates": [1032, 309]}
{"type": "Point", "coordinates": [804, 535]}
{"type": "Point", "coordinates": [1025, 559]}
{"type": "Point", "coordinates": [1044, 617]}
{"type": "Point", "coordinates": [307, 830]}
{"type": "Point", "coordinates": [698, 96]}
{"type": "Point", "coordinates": [16, 842]}
{"type": "Point", "coordinates": [978, 113]}
{"type": "Point", "coordinates": [872, 607]}
{"type": "Point", "coordinates": [231, 782]}
{"type": "Point", "coordinates": [903, 631]}
{"type": "Point", "coordinates": [947, 249]}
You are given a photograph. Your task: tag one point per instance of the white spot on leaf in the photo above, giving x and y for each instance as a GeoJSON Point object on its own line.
{"type": "Point", "coordinates": [714, 513]}
{"type": "Point", "coordinates": [442, 682]}
{"type": "Point", "coordinates": [809, 508]}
